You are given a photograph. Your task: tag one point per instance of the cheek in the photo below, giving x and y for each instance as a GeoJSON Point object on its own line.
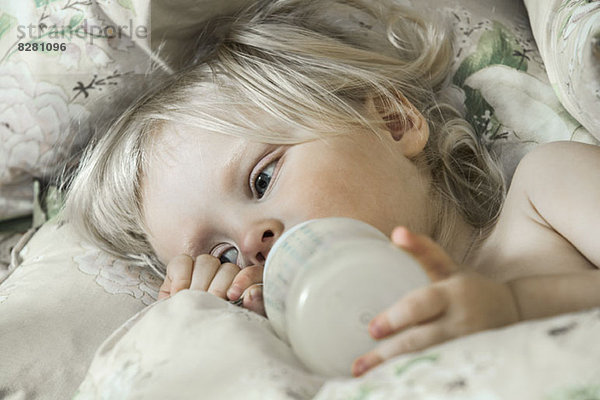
{"type": "Point", "coordinates": [324, 190]}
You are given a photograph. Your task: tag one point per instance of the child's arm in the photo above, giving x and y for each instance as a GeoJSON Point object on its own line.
{"type": "Point", "coordinates": [543, 296]}
{"type": "Point", "coordinates": [561, 182]}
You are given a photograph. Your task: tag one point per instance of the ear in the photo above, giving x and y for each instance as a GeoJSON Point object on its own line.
{"type": "Point", "coordinates": [411, 130]}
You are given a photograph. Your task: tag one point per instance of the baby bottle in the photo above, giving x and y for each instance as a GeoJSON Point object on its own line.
{"type": "Point", "coordinates": [324, 280]}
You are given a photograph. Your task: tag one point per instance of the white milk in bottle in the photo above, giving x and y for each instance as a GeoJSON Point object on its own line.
{"type": "Point", "coordinates": [325, 279]}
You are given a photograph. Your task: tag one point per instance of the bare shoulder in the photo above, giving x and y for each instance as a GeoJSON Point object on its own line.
{"type": "Point", "coordinates": [561, 181]}
{"type": "Point", "coordinates": [565, 157]}
{"type": "Point", "coordinates": [550, 169]}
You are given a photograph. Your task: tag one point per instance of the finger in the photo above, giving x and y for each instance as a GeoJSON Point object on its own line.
{"type": "Point", "coordinates": [179, 273]}
{"type": "Point", "coordinates": [246, 278]}
{"type": "Point", "coordinates": [205, 269]}
{"type": "Point", "coordinates": [222, 280]}
{"type": "Point", "coordinates": [432, 257]}
{"type": "Point", "coordinates": [253, 300]}
{"type": "Point", "coordinates": [416, 307]}
{"type": "Point", "coordinates": [413, 339]}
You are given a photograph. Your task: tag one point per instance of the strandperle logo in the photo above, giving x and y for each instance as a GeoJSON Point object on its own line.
{"type": "Point", "coordinates": [82, 29]}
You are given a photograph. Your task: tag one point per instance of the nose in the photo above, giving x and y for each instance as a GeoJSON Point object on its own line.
{"type": "Point", "coordinates": [258, 240]}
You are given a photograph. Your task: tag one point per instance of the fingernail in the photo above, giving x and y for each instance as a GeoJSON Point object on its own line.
{"type": "Point", "coordinates": [360, 367]}
{"type": "Point", "coordinates": [399, 234]}
{"type": "Point", "coordinates": [402, 230]}
{"type": "Point", "coordinates": [234, 292]}
{"type": "Point", "coordinates": [377, 329]}
{"type": "Point", "coordinates": [255, 294]}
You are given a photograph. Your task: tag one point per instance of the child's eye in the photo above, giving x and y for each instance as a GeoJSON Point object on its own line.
{"type": "Point", "coordinates": [261, 182]}
{"type": "Point", "coordinates": [229, 256]}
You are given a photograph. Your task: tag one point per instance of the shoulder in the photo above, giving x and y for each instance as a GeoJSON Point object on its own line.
{"type": "Point", "coordinates": [553, 154]}
{"type": "Point", "coordinates": [559, 151]}
{"type": "Point", "coordinates": [561, 183]}
{"type": "Point", "coordinates": [552, 166]}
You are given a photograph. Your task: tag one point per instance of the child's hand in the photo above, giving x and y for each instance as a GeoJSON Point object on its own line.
{"type": "Point", "coordinates": [455, 304]}
{"type": "Point", "coordinates": [206, 273]}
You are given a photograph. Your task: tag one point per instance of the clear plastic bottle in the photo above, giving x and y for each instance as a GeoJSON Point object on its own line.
{"type": "Point", "coordinates": [325, 279]}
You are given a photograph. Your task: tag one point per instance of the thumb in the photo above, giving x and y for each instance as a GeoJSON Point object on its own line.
{"type": "Point", "coordinates": [433, 258]}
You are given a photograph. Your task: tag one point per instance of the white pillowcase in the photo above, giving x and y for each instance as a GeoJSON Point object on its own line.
{"type": "Point", "coordinates": [62, 300]}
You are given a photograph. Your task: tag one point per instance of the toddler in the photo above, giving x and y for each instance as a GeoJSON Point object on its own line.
{"type": "Point", "coordinates": [287, 114]}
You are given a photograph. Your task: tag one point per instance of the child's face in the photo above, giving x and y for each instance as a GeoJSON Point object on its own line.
{"type": "Point", "coordinates": [209, 193]}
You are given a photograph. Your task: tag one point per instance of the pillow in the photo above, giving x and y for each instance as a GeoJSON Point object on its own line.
{"type": "Point", "coordinates": [60, 301]}
{"type": "Point", "coordinates": [568, 34]}
{"type": "Point", "coordinates": [62, 69]}
{"type": "Point", "coordinates": [196, 345]}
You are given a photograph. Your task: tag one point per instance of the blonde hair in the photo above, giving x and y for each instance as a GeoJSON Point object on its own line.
{"type": "Point", "coordinates": [304, 63]}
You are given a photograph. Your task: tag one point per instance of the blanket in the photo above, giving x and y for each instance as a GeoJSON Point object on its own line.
{"type": "Point", "coordinates": [199, 346]}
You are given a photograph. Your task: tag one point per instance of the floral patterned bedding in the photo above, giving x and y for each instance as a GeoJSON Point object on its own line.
{"type": "Point", "coordinates": [52, 98]}
{"type": "Point", "coordinates": [58, 303]}
{"type": "Point", "coordinates": [201, 346]}
{"type": "Point", "coordinates": [568, 35]}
